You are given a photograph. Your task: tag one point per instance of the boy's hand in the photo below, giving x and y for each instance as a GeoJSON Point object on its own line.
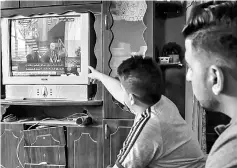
{"type": "Point", "coordinates": [94, 75]}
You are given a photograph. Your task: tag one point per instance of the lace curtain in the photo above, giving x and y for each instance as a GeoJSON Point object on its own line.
{"type": "Point", "coordinates": [72, 39]}
{"type": "Point", "coordinates": [199, 124]}
{"type": "Point", "coordinates": [129, 10]}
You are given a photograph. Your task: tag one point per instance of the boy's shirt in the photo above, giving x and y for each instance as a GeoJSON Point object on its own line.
{"type": "Point", "coordinates": [160, 138]}
{"type": "Point", "coordinates": [223, 153]}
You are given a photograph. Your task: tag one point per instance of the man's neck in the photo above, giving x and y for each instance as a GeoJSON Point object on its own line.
{"type": "Point", "coordinates": [140, 109]}
{"type": "Point", "coordinates": [230, 107]}
{"type": "Point", "coordinates": [229, 99]}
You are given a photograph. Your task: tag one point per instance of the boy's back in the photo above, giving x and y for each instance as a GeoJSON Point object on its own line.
{"type": "Point", "coordinates": [161, 138]}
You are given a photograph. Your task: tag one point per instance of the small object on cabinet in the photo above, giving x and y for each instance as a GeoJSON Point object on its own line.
{"type": "Point", "coordinates": [84, 120]}
{"type": "Point", "coordinates": [173, 51]}
{"type": "Point", "coordinates": [165, 60]}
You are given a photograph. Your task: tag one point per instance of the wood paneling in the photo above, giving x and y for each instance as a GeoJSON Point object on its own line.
{"type": "Point", "coordinates": [11, 142]}
{"type": "Point", "coordinates": [51, 9]}
{"type": "Point", "coordinates": [115, 133]}
{"type": "Point", "coordinates": [43, 166]}
{"type": "Point", "coordinates": [99, 52]}
{"type": "Point", "coordinates": [9, 4]}
{"type": "Point", "coordinates": [149, 21]}
{"type": "Point", "coordinates": [128, 35]}
{"type": "Point", "coordinates": [111, 110]}
{"type": "Point", "coordinates": [2, 86]}
{"type": "Point", "coordinates": [114, 111]}
{"type": "Point", "coordinates": [79, 2]}
{"type": "Point", "coordinates": [85, 148]}
{"type": "Point", "coordinates": [50, 154]}
{"type": "Point", "coordinates": [45, 146]}
{"type": "Point", "coordinates": [44, 137]}
{"type": "Point", "coordinates": [175, 87]}
{"type": "Point", "coordinates": [24, 4]}
{"type": "Point", "coordinates": [51, 103]}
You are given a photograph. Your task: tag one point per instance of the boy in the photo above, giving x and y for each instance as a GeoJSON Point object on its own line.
{"type": "Point", "coordinates": [159, 136]}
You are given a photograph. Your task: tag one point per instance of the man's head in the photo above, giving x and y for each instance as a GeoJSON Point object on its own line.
{"type": "Point", "coordinates": [211, 52]}
{"type": "Point", "coordinates": [52, 46]}
{"type": "Point", "coordinates": [141, 80]}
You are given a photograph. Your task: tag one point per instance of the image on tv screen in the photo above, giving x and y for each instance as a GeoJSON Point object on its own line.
{"type": "Point", "coordinates": [46, 46]}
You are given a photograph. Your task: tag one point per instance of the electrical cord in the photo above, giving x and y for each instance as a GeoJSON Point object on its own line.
{"type": "Point", "coordinates": [37, 123]}
{"type": "Point", "coordinates": [69, 118]}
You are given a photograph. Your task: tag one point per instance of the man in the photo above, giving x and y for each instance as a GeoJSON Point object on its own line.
{"type": "Point", "coordinates": [33, 57]}
{"type": "Point", "coordinates": [51, 56]}
{"type": "Point", "coordinates": [159, 136]}
{"type": "Point", "coordinates": [211, 55]}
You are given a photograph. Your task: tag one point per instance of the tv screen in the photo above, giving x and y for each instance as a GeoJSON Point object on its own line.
{"type": "Point", "coordinates": [46, 46]}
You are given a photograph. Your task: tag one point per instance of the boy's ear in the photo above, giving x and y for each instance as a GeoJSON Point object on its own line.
{"type": "Point", "coordinates": [131, 98]}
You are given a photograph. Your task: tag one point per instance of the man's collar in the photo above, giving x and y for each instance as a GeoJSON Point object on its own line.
{"type": "Point", "coordinates": [221, 128]}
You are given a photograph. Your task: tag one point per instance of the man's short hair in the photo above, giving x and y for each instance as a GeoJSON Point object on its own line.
{"type": "Point", "coordinates": [212, 27]}
{"type": "Point", "coordinates": [143, 78]}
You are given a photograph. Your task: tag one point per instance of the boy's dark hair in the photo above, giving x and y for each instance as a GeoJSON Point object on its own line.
{"type": "Point", "coordinates": [143, 78]}
{"type": "Point", "coordinates": [212, 27]}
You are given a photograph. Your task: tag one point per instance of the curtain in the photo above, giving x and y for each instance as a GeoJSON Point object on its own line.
{"type": "Point", "coordinates": [72, 36]}
{"type": "Point", "coordinates": [199, 123]}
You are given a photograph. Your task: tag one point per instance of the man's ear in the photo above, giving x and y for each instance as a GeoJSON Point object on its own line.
{"type": "Point", "coordinates": [131, 99]}
{"type": "Point", "coordinates": [217, 79]}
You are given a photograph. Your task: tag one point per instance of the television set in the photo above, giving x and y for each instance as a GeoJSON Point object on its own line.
{"type": "Point", "coordinates": [47, 56]}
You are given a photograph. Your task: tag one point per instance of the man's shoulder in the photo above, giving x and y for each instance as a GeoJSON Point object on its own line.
{"type": "Point", "coordinates": [224, 150]}
{"type": "Point", "coordinates": [228, 136]}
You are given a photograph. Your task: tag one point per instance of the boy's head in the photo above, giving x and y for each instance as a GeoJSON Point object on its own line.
{"type": "Point", "coordinates": [211, 52]}
{"type": "Point", "coordinates": [141, 80]}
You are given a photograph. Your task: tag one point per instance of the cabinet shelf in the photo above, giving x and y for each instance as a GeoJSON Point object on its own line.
{"type": "Point", "coordinates": [51, 102]}
{"type": "Point", "coordinates": [172, 65]}
{"type": "Point", "coordinates": [166, 10]}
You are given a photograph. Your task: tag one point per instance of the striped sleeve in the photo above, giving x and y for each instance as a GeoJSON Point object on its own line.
{"type": "Point", "coordinates": [138, 150]}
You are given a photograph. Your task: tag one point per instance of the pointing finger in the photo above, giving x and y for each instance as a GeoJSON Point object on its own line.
{"type": "Point", "coordinates": [90, 68]}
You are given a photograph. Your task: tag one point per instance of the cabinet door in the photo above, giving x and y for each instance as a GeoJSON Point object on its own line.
{"type": "Point", "coordinates": [175, 86]}
{"type": "Point", "coordinates": [45, 146]}
{"type": "Point", "coordinates": [11, 142]}
{"type": "Point", "coordinates": [128, 29]}
{"type": "Point", "coordinates": [125, 35]}
{"type": "Point", "coordinates": [115, 133]}
{"type": "Point", "coordinates": [85, 147]}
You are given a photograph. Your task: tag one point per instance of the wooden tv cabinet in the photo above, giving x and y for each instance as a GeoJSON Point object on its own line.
{"type": "Point", "coordinates": [56, 142]}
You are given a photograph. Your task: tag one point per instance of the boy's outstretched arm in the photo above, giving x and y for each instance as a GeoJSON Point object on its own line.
{"type": "Point", "coordinates": [110, 83]}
